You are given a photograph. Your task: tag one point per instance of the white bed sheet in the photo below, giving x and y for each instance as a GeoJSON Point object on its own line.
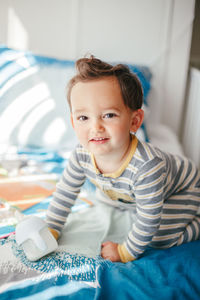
{"type": "Point", "coordinates": [164, 138]}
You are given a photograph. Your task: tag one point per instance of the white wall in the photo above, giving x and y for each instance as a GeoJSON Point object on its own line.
{"type": "Point", "coordinates": [70, 28]}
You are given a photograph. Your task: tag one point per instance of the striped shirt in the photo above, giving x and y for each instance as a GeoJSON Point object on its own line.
{"type": "Point", "coordinates": [163, 189]}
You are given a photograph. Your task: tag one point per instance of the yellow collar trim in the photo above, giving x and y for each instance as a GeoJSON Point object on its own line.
{"type": "Point", "coordinates": [121, 169]}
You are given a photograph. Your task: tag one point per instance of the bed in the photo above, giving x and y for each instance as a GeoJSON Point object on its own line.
{"type": "Point", "coordinates": [36, 140]}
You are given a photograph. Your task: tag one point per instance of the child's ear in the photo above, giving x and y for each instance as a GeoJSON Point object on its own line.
{"type": "Point", "coordinates": [137, 119]}
{"type": "Point", "coordinates": [72, 121]}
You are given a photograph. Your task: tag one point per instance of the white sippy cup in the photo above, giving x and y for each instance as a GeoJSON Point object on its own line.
{"type": "Point", "coordinates": [34, 236]}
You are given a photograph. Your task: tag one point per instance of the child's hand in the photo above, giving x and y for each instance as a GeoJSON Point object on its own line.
{"type": "Point", "coordinates": [109, 251]}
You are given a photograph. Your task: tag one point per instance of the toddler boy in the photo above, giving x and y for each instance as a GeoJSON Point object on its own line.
{"type": "Point", "coordinates": [164, 189]}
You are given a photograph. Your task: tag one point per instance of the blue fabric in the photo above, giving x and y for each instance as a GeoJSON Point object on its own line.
{"type": "Point", "coordinates": [62, 288]}
{"type": "Point", "coordinates": [144, 74]}
{"type": "Point", "coordinates": [160, 274]}
{"type": "Point", "coordinates": [53, 161]}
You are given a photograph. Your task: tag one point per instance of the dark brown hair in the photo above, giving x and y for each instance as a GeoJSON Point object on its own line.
{"type": "Point", "coordinates": [92, 68]}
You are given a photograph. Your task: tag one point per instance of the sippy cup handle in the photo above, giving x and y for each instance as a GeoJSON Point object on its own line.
{"type": "Point", "coordinates": [36, 237]}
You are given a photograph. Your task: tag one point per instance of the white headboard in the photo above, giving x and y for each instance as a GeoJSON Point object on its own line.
{"type": "Point", "coordinates": [150, 32]}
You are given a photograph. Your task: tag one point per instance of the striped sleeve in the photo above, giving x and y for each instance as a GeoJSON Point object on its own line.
{"type": "Point", "coordinates": [66, 193]}
{"type": "Point", "coordinates": [148, 190]}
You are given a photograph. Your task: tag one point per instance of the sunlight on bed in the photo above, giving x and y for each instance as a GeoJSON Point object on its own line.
{"type": "Point", "coordinates": [17, 78]}
{"type": "Point", "coordinates": [33, 118]}
{"type": "Point", "coordinates": [13, 115]}
{"type": "Point", "coordinates": [54, 131]}
{"type": "Point", "coordinates": [26, 111]}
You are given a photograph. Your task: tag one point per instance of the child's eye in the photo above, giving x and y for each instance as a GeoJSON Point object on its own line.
{"type": "Point", "coordinates": [82, 118]}
{"type": "Point", "coordinates": [109, 115]}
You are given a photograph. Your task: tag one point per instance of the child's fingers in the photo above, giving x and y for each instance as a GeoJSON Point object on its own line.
{"type": "Point", "coordinates": [104, 244]}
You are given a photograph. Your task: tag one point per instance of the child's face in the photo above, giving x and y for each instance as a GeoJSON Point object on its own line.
{"type": "Point", "coordinates": [100, 118]}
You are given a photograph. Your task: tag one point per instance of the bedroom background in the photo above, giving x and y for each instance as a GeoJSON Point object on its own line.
{"type": "Point", "coordinates": [39, 41]}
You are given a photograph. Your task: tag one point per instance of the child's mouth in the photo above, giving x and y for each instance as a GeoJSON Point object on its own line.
{"type": "Point", "coordinates": [99, 140]}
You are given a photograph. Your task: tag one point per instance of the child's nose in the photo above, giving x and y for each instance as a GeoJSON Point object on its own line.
{"type": "Point", "coordinates": [97, 125]}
